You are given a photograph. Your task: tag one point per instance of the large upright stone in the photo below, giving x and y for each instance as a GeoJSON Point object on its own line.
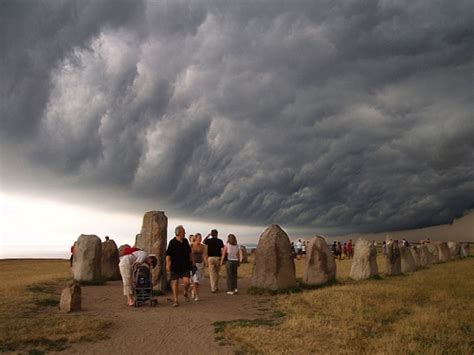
{"type": "Point", "coordinates": [320, 266]}
{"type": "Point", "coordinates": [273, 267]}
{"type": "Point", "coordinates": [425, 255]}
{"type": "Point", "coordinates": [407, 261]}
{"type": "Point", "coordinates": [465, 250]}
{"type": "Point", "coordinates": [153, 239]}
{"type": "Point", "coordinates": [454, 250]}
{"type": "Point", "coordinates": [433, 250]}
{"type": "Point", "coordinates": [364, 263]}
{"type": "Point", "coordinates": [393, 265]}
{"type": "Point", "coordinates": [416, 256]}
{"type": "Point", "coordinates": [71, 300]}
{"type": "Point", "coordinates": [245, 256]}
{"type": "Point", "coordinates": [87, 255]}
{"type": "Point", "coordinates": [443, 252]}
{"type": "Point", "coordinates": [110, 260]}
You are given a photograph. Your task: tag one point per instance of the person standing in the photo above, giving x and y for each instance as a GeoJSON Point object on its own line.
{"type": "Point", "coordinates": [199, 251]}
{"type": "Point", "coordinates": [234, 258]}
{"type": "Point", "coordinates": [350, 249]}
{"type": "Point", "coordinates": [71, 259]}
{"type": "Point", "coordinates": [179, 262]}
{"type": "Point", "coordinates": [215, 248]}
{"type": "Point", "coordinates": [299, 249]}
{"type": "Point", "coordinates": [126, 264]}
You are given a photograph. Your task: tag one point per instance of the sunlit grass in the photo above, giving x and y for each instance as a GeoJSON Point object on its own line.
{"type": "Point", "coordinates": [29, 317]}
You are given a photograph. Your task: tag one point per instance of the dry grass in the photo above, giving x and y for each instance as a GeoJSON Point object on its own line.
{"type": "Point", "coordinates": [29, 317]}
{"type": "Point", "coordinates": [428, 312]}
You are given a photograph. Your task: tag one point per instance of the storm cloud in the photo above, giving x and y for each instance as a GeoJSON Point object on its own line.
{"type": "Point", "coordinates": [353, 116]}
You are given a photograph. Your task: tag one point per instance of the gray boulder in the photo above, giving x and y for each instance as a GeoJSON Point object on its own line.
{"type": "Point", "coordinates": [87, 258]}
{"type": "Point", "coordinates": [407, 261]}
{"type": "Point", "coordinates": [245, 257]}
{"type": "Point", "coordinates": [416, 256]}
{"type": "Point", "coordinates": [364, 262]}
{"type": "Point", "coordinates": [153, 239]}
{"type": "Point", "coordinates": [464, 250]}
{"type": "Point", "coordinates": [110, 260]}
{"type": "Point", "coordinates": [393, 262]}
{"type": "Point", "coordinates": [274, 267]}
{"type": "Point", "coordinates": [426, 258]}
{"type": "Point", "coordinates": [71, 300]}
{"type": "Point", "coordinates": [433, 250]}
{"type": "Point", "coordinates": [320, 266]}
{"type": "Point", "coordinates": [443, 252]}
{"type": "Point", "coordinates": [454, 250]}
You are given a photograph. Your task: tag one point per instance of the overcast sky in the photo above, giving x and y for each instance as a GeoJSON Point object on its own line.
{"type": "Point", "coordinates": [331, 116]}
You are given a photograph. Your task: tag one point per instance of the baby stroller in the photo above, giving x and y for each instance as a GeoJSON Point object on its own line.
{"type": "Point", "coordinates": [142, 286]}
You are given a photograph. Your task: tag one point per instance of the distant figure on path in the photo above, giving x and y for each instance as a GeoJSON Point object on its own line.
{"type": "Point", "coordinates": [384, 248]}
{"type": "Point", "coordinates": [199, 256]}
{"type": "Point", "coordinates": [234, 258]}
{"type": "Point", "coordinates": [299, 249]}
{"type": "Point", "coordinates": [72, 254]}
{"type": "Point", "coordinates": [127, 262]}
{"type": "Point", "coordinates": [339, 251]}
{"type": "Point", "coordinates": [215, 248]}
{"type": "Point", "coordinates": [334, 248]}
{"type": "Point", "coordinates": [350, 249]}
{"type": "Point", "coordinates": [179, 262]}
{"type": "Point", "coordinates": [107, 238]}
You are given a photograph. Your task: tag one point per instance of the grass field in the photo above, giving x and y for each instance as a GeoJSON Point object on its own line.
{"type": "Point", "coordinates": [29, 317]}
{"type": "Point", "coordinates": [428, 312]}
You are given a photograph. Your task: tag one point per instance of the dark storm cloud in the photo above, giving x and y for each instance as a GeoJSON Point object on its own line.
{"type": "Point", "coordinates": [342, 115]}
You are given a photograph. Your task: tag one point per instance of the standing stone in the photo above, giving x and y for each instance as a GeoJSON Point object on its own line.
{"type": "Point", "coordinates": [87, 255]}
{"type": "Point", "coordinates": [153, 239]}
{"type": "Point", "coordinates": [320, 266]}
{"type": "Point", "coordinates": [425, 255]}
{"type": "Point", "coordinates": [70, 298]}
{"type": "Point", "coordinates": [416, 256]}
{"type": "Point", "coordinates": [245, 257]}
{"type": "Point", "coordinates": [110, 260]}
{"type": "Point", "coordinates": [433, 250]}
{"type": "Point", "coordinates": [393, 260]}
{"type": "Point", "coordinates": [274, 267]}
{"type": "Point", "coordinates": [465, 249]}
{"type": "Point", "coordinates": [407, 261]}
{"type": "Point", "coordinates": [122, 248]}
{"type": "Point", "coordinates": [364, 262]}
{"type": "Point", "coordinates": [454, 250]}
{"type": "Point", "coordinates": [443, 252]}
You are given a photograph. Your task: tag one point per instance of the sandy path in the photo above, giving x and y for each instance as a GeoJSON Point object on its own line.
{"type": "Point", "coordinates": [164, 329]}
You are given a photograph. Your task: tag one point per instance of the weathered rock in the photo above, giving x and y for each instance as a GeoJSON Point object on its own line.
{"type": "Point", "coordinates": [245, 257]}
{"type": "Point", "coordinates": [454, 250]}
{"type": "Point", "coordinates": [70, 298]}
{"type": "Point", "coordinates": [393, 260]}
{"type": "Point", "coordinates": [465, 250]}
{"type": "Point", "coordinates": [274, 267]}
{"type": "Point", "coordinates": [443, 252]}
{"type": "Point", "coordinates": [320, 266]}
{"type": "Point", "coordinates": [433, 250]}
{"type": "Point", "coordinates": [122, 248]}
{"type": "Point", "coordinates": [110, 260]}
{"type": "Point", "coordinates": [87, 255]}
{"type": "Point", "coordinates": [153, 239]}
{"type": "Point", "coordinates": [416, 256]}
{"type": "Point", "coordinates": [364, 263]}
{"type": "Point", "coordinates": [425, 255]}
{"type": "Point", "coordinates": [407, 261]}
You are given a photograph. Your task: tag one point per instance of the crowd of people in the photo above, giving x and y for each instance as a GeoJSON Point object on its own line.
{"type": "Point", "coordinates": [186, 259]}
{"type": "Point", "coordinates": [339, 250]}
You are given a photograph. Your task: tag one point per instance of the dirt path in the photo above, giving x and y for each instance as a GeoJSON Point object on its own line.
{"type": "Point", "coordinates": [164, 329]}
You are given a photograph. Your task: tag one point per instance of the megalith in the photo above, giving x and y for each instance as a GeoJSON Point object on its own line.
{"type": "Point", "coordinates": [87, 258]}
{"type": "Point", "coordinates": [153, 239]}
{"type": "Point", "coordinates": [320, 266]}
{"type": "Point", "coordinates": [433, 250]}
{"type": "Point", "coordinates": [364, 262]}
{"type": "Point", "coordinates": [110, 260]}
{"type": "Point", "coordinates": [416, 256]}
{"type": "Point", "coordinates": [454, 250]}
{"type": "Point", "coordinates": [407, 262]}
{"type": "Point", "coordinates": [274, 267]}
{"type": "Point", "coordinates": [443, 252]}
{"type": "Point", "coordinates": [465, 249]}
{"type": "Point", "coordinates": [393, 263]}
{"type": "Point", "coordinates": [245, 257]}
{"type": "Point", "coordinates": [70, 300]}
{"type": "Point", "coordinates": [425, 255]}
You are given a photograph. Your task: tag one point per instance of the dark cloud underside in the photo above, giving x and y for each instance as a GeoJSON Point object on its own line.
{"type": "Point", "coordinates": [345, 115]}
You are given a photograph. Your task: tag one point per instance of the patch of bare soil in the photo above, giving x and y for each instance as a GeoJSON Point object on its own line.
{"type": "Point", "coordinates": [164, 329]}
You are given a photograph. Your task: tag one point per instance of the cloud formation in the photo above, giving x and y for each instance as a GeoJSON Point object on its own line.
{"type": "Point", "coordinates": [343, 115]}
